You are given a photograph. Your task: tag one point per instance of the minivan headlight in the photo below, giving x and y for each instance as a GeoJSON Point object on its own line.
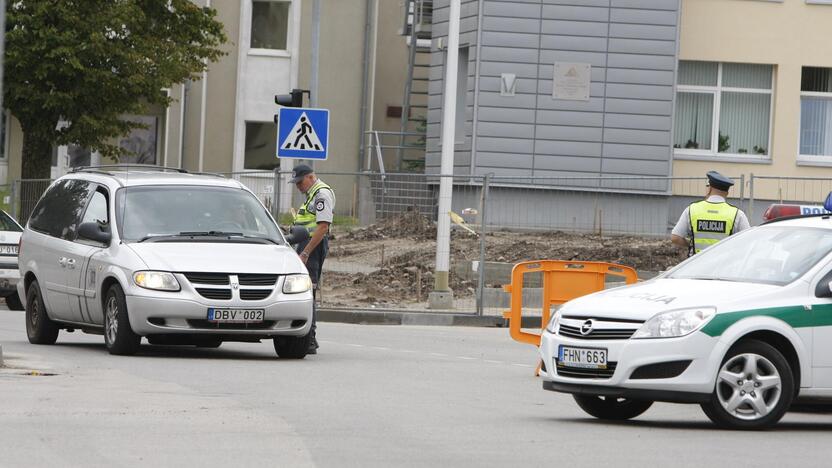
{"type": "Point", "coordinates": [295, 284]}
{"type": "Point", "coordinates": [156, 280]}
{"type": "Point", "coordinates": [675, 323]}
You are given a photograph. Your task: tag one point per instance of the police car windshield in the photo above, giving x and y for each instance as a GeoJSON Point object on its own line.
{"type": "Point", "coordinates": [772, 255]}
{"type": "Point", "coordinates": [160, 211]}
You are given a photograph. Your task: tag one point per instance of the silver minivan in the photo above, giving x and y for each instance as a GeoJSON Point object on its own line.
{"type": "Point", "coordinates": [174, 257]}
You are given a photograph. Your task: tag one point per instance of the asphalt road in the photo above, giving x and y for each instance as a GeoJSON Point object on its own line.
{"type": "Point", "coordinates": [373, 396]}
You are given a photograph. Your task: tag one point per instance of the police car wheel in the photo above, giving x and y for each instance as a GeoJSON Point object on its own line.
{"type": "Point", "coordinates": [754, 387]}
{"type": "Point", "coordinates": [611, 408]}
{"type": "Point", "coordinates": [40, 329]}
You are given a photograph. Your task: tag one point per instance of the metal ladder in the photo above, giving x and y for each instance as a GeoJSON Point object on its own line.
{"type": "Point", "coordinates": [418, 17]}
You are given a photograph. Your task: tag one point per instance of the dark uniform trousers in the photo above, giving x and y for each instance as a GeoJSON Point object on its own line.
{"type": "Point", "coordinates": [315, 264]}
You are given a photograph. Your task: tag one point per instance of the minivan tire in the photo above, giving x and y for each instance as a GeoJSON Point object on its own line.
{"type": "Point", "coordinates": [118, 335]}
{"type": "Point", "coordinates": [612, 408]}
{"type": "Point", "coordinates": [13, 302]}
{"type": "Point", "coordinates": [782, 397]}
{"type": "Point", "coordinates": [292, 347]}
{"type": "Point", "coordinates": [40, 329]}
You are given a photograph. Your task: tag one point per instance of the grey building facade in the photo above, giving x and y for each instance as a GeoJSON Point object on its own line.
{"type": "Point", "coordinates": [558, 93]}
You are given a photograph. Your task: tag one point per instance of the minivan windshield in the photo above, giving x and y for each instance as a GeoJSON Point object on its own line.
{"type": "Point", "coordinates": [771, 254]}
{"type": "Point", "coordinates": [160, 211]}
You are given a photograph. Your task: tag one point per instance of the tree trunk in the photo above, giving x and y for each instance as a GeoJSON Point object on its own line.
{"type": "Point", "coordinates": [37, 155]}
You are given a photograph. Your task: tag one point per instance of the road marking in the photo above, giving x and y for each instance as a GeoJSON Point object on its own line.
{"type": "Point", "coordinates": [407, 351]}
{"type": "Point", "coordinates": [438, 354]}
{"type": "Point", "coordinates": [522, 365]}
{"type": "Point", "coordinates": [467, 358]}
{"type": "Point", "coordinates": [490, 361]}
{"type": "Point", "coordinates": [356, 345]}
{"type": "Point", "coordinates": [380, 348]}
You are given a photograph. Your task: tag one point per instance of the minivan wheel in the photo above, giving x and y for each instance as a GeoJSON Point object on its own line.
{"type": "Point", "coordinates": [40, 329]}
{"type": "Point", "coordinates": [13, 302]}
{"type": "Point", "coordinates": [292, 347]}
{"type": "Point", "coordinates": [118, 336]}
{"type": "Point", "coordinates": [611, 408]}
{"type": "Point", "coordinates": [754, 387]}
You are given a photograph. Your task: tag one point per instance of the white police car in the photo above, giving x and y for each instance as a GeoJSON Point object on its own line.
{"type": "Point", "coordinates": [744, 329]}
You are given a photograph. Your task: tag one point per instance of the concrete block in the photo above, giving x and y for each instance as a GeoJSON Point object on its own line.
{"type": "Point", "coordinates": [441, 300]}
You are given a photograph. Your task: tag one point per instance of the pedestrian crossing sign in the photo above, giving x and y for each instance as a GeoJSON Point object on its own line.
{"type": "Point", "coordinates": [302, 133]}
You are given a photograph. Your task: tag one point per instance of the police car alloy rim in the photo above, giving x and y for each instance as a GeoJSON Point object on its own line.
{"type": "Point", "coordinates": [112, 320]}
{"type": "Point", "coordinates": [748, 386]}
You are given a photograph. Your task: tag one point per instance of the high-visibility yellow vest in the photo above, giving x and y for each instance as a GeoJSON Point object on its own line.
{"type": "Point", "coordinates": [710, 223]}
{"type": "Point", "coordinates": [304, 216]}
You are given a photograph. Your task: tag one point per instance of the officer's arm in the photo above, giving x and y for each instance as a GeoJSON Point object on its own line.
{"type": "Point", "coordinates": [679, 240]}
{"type": "Point", "coordinates": [320, 232]}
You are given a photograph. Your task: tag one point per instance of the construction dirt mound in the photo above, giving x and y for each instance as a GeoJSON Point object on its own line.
{"type": "Point", "coordinates": [391, 263]}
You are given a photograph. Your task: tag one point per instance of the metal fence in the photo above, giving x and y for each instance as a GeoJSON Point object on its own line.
{"type": "Point", "coordinates": [383, 248]}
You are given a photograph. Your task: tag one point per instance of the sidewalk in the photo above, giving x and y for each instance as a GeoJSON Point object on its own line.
{"type": "Point", "coordinates": [444, 318]}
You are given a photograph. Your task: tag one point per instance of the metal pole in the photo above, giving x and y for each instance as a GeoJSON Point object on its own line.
{"type": "Point", "coordinates": [742, 191]}
{"type": "Point", "coordinates": [442, 296]}
{"type": "Point", "coordinates": [751, 199]}
{"type": "Point", "coordinates": [276, 194]}
{"type": "Point", "coordinates": [483, 227]}
{"type": "Point", "coordinates": [316, 36]}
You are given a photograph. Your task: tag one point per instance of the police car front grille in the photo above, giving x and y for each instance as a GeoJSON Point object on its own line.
{"type": "Point", "coordinates": [596, 333]}
{"type": "Point", "coordinates": [581, 373]}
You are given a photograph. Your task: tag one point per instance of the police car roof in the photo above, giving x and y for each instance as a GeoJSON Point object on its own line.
{"type": "Point", "coordinates": [821, 220]}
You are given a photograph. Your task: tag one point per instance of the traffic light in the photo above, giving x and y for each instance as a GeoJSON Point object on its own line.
{"type": "Point", "coordinates": [293, 99]}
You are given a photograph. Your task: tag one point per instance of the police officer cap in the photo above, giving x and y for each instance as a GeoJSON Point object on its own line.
{"type": "Point", "coordinates": [299, 172]}
{"type": "Point", "coordinates": [719, 181]}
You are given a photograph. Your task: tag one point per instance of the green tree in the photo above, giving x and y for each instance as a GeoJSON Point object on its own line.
{"type": "Point", "coordinates": [90, 62]}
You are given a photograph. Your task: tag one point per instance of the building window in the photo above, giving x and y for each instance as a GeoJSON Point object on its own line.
{"type": "Point", "coordinates": [4, 134]}
{"type": "Point", "coordinates": [723, 109]}
{"type": "Point", "coordinates": [269, 24]}
{"type": "Point", "coordinates": [816, 112]}
{"type": "Point", "coordinates": [141, 143]}
{"type": "Point", "coordinates": [261, 146]}
{"type": "Point", "coordinates": [461, 94]}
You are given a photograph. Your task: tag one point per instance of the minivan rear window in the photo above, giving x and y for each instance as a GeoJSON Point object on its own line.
{"type": "Point", "coordinates": [59, 210]}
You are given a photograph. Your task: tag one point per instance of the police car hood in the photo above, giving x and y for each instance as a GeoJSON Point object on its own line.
{"type": "Point", "coordinates": [644, 300]}
{"type": "Point", "coordinates": [211, 257]}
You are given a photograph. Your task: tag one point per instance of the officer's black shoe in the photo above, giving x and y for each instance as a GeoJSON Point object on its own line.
{"type": "Point", "coordinates": [313, 346]}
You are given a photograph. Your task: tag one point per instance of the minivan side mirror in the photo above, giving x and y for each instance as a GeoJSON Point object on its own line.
{"type": "Point", "coordinates": [297, 235]}
{"type": "Point", "coordinates": [94, 232]}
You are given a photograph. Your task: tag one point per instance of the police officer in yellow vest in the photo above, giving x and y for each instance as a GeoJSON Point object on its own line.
{"type": "Point", "coordinates": [315, 214]}
{"type": "Point", "coordinates": [708, 221]}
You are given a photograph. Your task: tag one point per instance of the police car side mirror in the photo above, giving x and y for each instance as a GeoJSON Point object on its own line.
{"type": "Point", "coordinates": [297, 235]}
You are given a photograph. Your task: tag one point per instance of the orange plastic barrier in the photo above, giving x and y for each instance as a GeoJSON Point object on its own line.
{"type": "Point", "coordinates": [562, 281]}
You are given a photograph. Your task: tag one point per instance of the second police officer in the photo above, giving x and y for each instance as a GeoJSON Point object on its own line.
{"type": "Point", "coordinates": [706, 222]}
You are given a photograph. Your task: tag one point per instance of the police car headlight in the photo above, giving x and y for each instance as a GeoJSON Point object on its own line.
{"type": "Point", "coordinates": [295, 284]}
{"type": "Point", "coordinates": [675, 323]}
{"type": "Point", "coordinates": [553, 323]}
{"type": "Point", "coordinates": [157, 280]}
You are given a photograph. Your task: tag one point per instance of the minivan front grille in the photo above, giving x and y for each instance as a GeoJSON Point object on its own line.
{"type": "Point", "coordinates": [218, 294]}
{"type": "Point", "coordinates": [257, 280]}
{"type": "Point", "coordinates": [208, 278]}
{"type": "Point", "coordinates": [254, 294]}
{"type": "Point", "coordinates": [217, 286]}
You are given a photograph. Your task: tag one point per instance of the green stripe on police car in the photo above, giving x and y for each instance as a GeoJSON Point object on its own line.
{"type": "Point", "coordinates": [794, 316]}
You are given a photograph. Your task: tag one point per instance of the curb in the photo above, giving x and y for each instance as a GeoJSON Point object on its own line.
{"type": "Point", "coordinates": [418, 317]}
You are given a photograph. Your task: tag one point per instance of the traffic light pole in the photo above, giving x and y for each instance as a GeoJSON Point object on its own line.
{"type": "Point", "coordinates": [442, 296]}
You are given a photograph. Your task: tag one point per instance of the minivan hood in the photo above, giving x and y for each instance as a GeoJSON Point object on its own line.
{"type": "Point", "coordinates": [644, 300]}
{"type": "Point", "coordinates": [218, 257]}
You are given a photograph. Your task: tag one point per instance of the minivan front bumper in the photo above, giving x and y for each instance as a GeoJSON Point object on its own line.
{"type": "Point", "coordinates": [155, 316]}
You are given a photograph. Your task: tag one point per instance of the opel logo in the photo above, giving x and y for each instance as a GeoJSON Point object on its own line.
{"type": "Point", "coordinates": [586, 328]}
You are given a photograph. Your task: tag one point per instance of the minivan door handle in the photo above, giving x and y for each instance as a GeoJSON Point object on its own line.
{"type": "Point", "coordinates": [62, 261]}
{"type": "Point", "coordinates": [70, 262]}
